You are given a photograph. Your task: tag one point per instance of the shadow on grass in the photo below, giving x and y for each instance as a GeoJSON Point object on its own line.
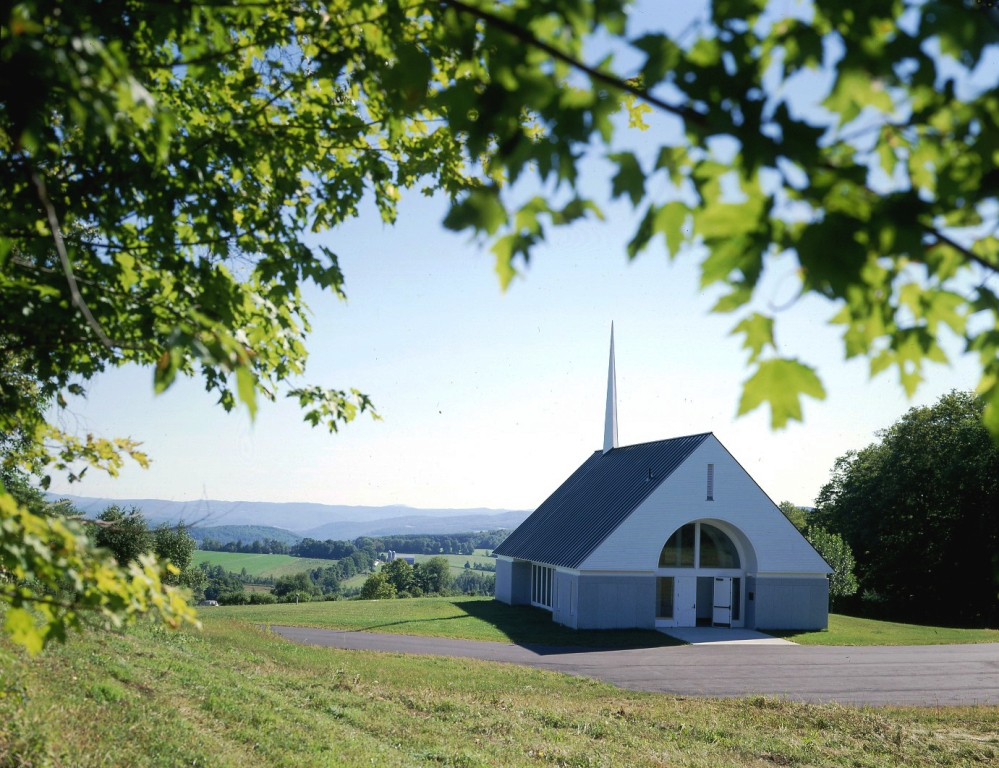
{"type": "Point", "coordinates": [533, 628]}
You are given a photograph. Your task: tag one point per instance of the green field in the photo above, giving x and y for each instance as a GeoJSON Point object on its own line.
{"type": "Point", "coordinates": [469, 618]}
{"type": "Point", "coordinates": [261, 565]}
{"type": "Point", "coordinates": [850, 630]}
{"type": "Point", "coordinates": [234, 695]}
{"type": "Point", "coordinates": [457, 562]}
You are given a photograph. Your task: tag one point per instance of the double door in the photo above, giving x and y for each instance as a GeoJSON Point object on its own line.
{"type": "Point", "coordinates": [716, 598]}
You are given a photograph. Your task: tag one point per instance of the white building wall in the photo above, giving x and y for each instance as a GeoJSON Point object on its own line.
{"type": "Point", "coordinates": [636, 543]}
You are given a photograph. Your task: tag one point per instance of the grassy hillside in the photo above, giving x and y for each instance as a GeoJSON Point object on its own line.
{"type": "Point", "coordinates": [261, 565]}
{"type": "Point", "coordinates": [234, 695]}
{"type": "Point", "coordinates": [468, 618]}
{"type": "Point", "coordinates": [850, 630]}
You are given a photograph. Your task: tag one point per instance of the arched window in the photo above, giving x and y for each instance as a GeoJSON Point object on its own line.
{"type": "Point", "coordinates": [716, 549]}
{"type": "Point", "coordinates": [679, 550]}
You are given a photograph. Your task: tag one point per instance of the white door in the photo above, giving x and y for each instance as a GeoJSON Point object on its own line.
{"type": "Point", "coordinates": [722, 613]}
{"type": "Point", "coordinates": [685, 601]}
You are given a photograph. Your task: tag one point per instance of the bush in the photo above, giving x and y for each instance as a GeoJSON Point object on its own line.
{"type": "Point", "coordinates": [377, 587]}
{"type": "Point", "coordinates": [233, 598]}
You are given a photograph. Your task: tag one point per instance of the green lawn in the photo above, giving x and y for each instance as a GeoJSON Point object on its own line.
{"type": "Point", "coordinates": [234, 695]}
{"type": "Point", "coordinates": [261, 565]}
{"type": "Point", "coordinates": [850, 630]}
{"type": "Point", "coordinates": [468, 618]}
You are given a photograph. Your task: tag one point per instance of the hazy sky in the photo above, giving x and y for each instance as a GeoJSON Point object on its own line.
{"type": "Point", "coordinates": [489, 398]}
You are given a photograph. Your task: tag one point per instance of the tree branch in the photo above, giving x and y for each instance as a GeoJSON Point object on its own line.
{"type": "Point", "coordinates": [595, 74]}
{"type": "Point", "coordinates": [942, 238]}
{"type": "Point", "coordinates": [67, 268]}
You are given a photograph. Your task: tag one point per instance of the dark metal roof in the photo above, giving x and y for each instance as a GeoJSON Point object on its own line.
{"type": "Point", "coordinates": [595, 500]}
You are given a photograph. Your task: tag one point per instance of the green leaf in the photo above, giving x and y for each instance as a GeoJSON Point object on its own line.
{"type": "Point", "coordinates": [481, 210]}
{"type": "Point", "coordinates": [629, 178]}
{"type": "Point", "coordinates": [854, 90]}
{"type": "Point", "coordinates": [670, 221]}
{"type": "Point", "coordinates": [759, 332]}
{"type": "Point", "coordinates": [22, 629]}
{"type": "Point", "coordinates": [780, 382]}
{"type": "Point", "coordinates": [246, 387]}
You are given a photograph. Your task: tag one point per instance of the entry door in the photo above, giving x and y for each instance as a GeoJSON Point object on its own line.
{"type": "Point", "coordinates": [685, 603]}
{"type": "Point", "coordinates": [722, 614]}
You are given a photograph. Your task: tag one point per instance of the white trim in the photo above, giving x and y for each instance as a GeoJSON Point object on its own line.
{"type": "Point", "coordinates": [505, 558]}
{"type": "Point", "coordinates": [789, 575]}
{"type": "Point", "coordinates": [615, 573]}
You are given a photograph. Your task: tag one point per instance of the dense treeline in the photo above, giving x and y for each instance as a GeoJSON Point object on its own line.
{"type": "Point", "coordinates": [919, 508]}
{"type": "Point", "coordinates": [229, 533]}
{"type": "Point", "coordinates": [443, 544]}
{"type": "Point", "coordinates": [416, 544]}
{"type": "Point", "coordinates": [256, 547]}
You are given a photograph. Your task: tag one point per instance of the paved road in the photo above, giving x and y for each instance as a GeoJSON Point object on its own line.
{"type": "Point", "coordinates": [922, 675]}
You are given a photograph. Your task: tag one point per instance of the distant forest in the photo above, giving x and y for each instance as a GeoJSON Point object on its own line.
{"type": "Point", "coordinates": [413, 544]}
{"type": "Point", "coordinates": [231, 533]}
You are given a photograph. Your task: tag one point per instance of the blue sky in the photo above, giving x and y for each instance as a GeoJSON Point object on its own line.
{"type": "Point", "coordinates": [490, 398]}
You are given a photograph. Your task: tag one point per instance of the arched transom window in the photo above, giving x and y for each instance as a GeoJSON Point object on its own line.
{"type": "Point", "coordinates": [716, 549]}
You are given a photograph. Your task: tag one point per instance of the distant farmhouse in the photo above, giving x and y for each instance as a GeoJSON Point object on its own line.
{"type": "Point", "coordinates": [673, 533]}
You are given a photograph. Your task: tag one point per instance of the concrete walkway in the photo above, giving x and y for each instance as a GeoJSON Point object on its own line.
{"type": "Point", "coordinates": [722, 636]}
{"type": "Point", "coordinates": [921, 675]}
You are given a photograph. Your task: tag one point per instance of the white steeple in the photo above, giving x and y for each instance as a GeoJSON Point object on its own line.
{"type": "Point", "coordinates": [610, 421]}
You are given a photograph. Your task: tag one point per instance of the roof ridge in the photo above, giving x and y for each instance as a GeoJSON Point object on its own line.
{"type": "Point", "coordinates": [664, 440]}
{"type": "Point", "coordinates": [595, 499]}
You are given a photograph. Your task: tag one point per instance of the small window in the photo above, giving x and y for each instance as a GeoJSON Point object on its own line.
{"type": "Point", "coordinates": [711, 482]}
{"type": "Point", "coordinates": [664, 597]}
{"type": "Point", "coordinates": [679, 549]}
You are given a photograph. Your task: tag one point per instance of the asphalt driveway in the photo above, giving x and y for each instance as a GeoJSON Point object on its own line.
{"type": "Point", "coordinates": [922, 675]}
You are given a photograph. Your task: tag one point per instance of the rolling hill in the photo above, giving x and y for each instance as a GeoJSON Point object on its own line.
{"type": "Point", "coordinates": [317, 521]}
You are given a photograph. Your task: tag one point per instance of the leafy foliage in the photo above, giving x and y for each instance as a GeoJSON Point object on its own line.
{"type": "Point", "coordinates": [797, 515]}
{"type": "Point", "coordinates": [836, 552]}
{"type": "Point", "coordinates": [125, 533]}
{"type": "Point", "coordinates": [51, 577]}
{"type": "Point", "coordinates": [918, 509]}
{"type": "Point", "coordinates": [162, 165]}
{"type": "Point", "coordinates": [377, 587]}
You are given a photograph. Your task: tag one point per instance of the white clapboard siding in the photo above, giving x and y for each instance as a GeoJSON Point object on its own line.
{"type": "Point", "coordinates": [777, 545]}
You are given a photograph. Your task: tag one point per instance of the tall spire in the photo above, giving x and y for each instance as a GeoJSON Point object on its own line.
{"type": "Point", "coordinates": [610, 421]}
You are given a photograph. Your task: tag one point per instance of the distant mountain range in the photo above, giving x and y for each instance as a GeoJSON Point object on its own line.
{"type": "Point", "coordinates": [317, 521]}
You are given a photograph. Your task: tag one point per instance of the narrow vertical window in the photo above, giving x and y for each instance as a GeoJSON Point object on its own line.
{"type": "Point", "coordinates": [711, 482]}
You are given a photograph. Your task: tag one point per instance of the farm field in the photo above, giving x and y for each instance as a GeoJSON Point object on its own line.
{"type": "Point", "coordinates": [851, 630]}
{"type": "Point", "coordinates": [235, 695]}
{"type": "Point", "coordinates": [260, 565]}
{"type": "Point", "coordinates": [468, 618]}
{"type": "Point", "coordinates": [457, 562]}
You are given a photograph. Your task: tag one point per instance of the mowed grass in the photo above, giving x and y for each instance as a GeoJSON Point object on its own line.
{"type": "Point", "coordinates": [261, 565]}
{"type": "Point", "coordinates": [850, 630]}
{"type": "Point", "coordinates": [234, 695]}
{"type": "Point", "coordinates": [466, 618]}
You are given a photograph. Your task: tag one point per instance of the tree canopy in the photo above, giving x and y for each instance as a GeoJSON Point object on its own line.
{"type": "Point", "coordinates": [163, 165]}
{"type": "Point", "coordinates": [918, 508]}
